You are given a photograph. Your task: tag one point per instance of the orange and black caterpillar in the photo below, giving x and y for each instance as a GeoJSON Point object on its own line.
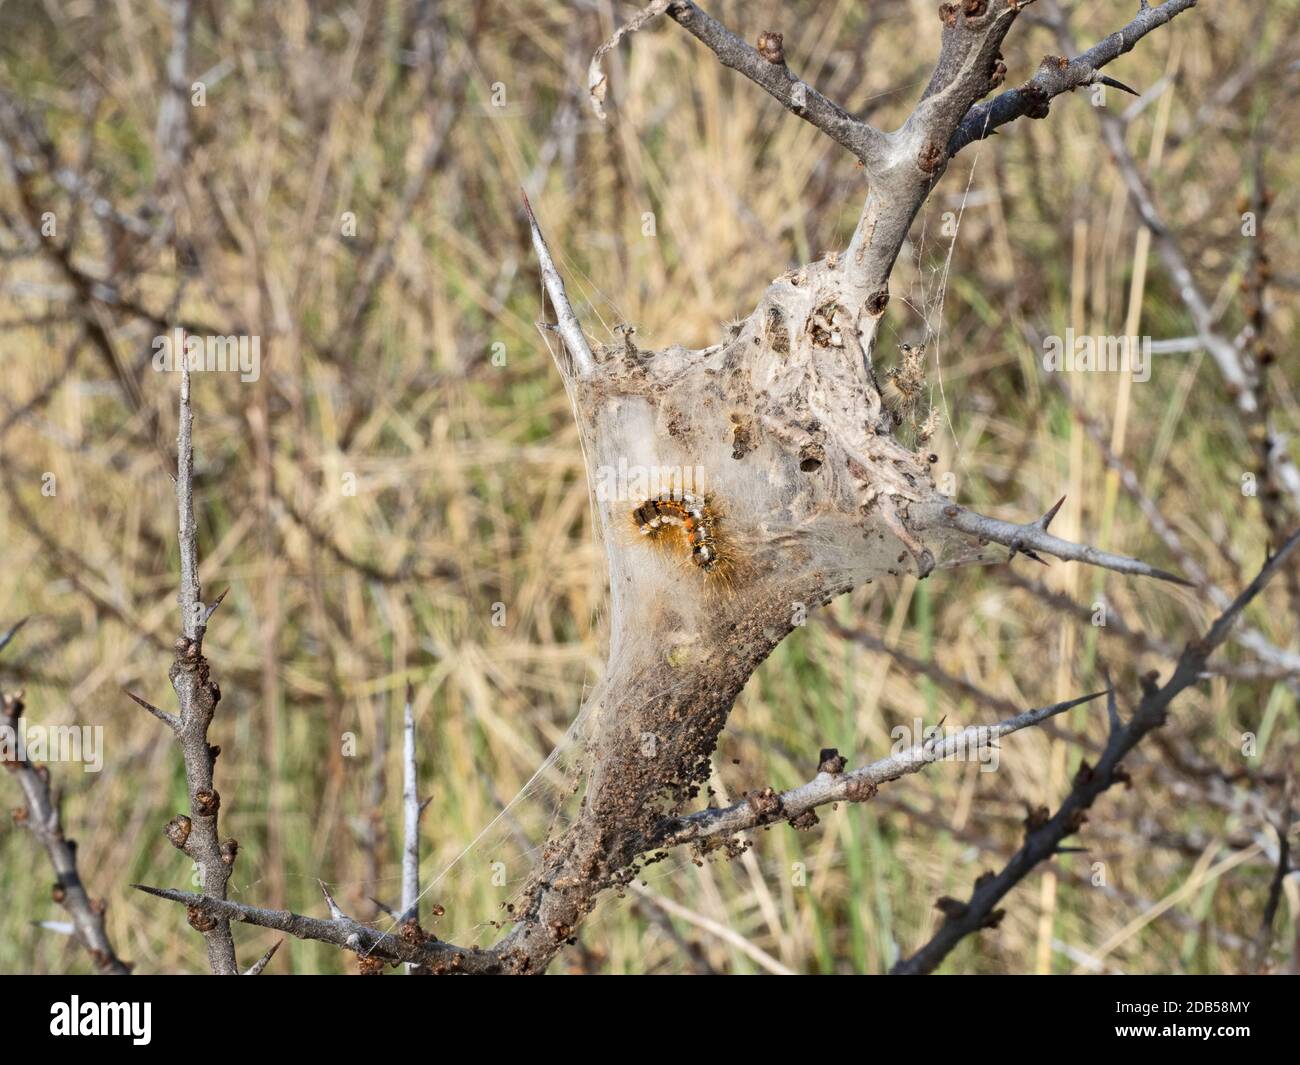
{"type": "Point", "coordinates": [692, 514]}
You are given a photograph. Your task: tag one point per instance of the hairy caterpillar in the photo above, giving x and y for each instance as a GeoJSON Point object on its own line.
{"type": "Point", "coordinates": [694, 516]}
{"type": "Point", "coordinates": [905, 385]}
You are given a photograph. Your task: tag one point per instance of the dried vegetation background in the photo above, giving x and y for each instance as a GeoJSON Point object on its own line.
{"type": "Point", "coordinates": [407, 357]}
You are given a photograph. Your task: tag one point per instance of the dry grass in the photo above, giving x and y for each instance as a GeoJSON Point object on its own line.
{"type": "Point", "coordinates": [470, 488]}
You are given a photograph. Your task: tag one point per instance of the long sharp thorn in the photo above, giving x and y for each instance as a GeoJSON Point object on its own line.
{"type": "Point", "coordinates": [256, 968]}
{"type": "Point", "coordinates": [1083, 699]}
{"type": "Point", "coordinates": [216, 603]}
{"type": "Point", "coordinates": [385, 908]}
{"type": "Point", "coordinates": [170, 720]}
{"type": "Point", "coordinates": [1118, 85]}
{"type": "Point", "coordinates": [1046, 519]}
{"type": "Point", "coordinates": [1035, 537]}
{"type": "Point", "coordinates": [575, 341]}
{"type": "Point", "coordinates": [335, 912]}
{"type": "Point", "coordinates": [1172, 578]}
{"type": "Point", "coordinates": [172, 894]}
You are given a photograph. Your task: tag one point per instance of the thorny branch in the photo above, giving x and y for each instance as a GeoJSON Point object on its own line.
{"type": "Point", "coordinates": [764, 65]}
{"type": "Point", "coordinates": [428, 953]}
{"type": "Point", "coordinates": [1241, 379]}
{"type": "Point", "coordinates": [196, 835]}
{"type": "Point", "coordinates": [838, 304]}
{"type": "Point", "coordinates": [1046, 835]}
{"type": "Point", "coordinates": [1264, 939]}
{"type": "Point", "coordinates": [41, 813]}
{"type": "Point", "coordinates": [902, 167]}
{"type": "Point", "coordinates": [832, 784]}
{"type": "Point", "coordinates": [1033, 536]}
{"type": "Point", "coordinates": [569, 328]}
{"type": "Point", "coordinates": [1058, 75]}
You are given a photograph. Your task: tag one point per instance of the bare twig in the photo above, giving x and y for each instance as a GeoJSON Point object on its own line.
{"type": "Point", "coordinates": [1045, 839]}
{"type": "Point", "coordinates": [1264, 938]}
{"type": "Point", "coordinates": [1058, 75]}
{"type": "Point", "coordinates": [768, 70]}
{"type": "Point", "coordinates": [1033, 536]}
{"type": "Point", "coordinates": [196, 836]}
{"type": "Point", "coordinates": [856, 786]}
{"type": "Point", "coordinates": [41, 814]}
{"type": "Point", "coordinates": [193, 624]}
{"type": "Point", "coordinates": [597, 82]}
{"type": "Point", "coordinates": [342, 931]}
{"type": "Point", "coordinates": [410, 815]}
{"type": "Point", "coordinates": [569, 327]}
{"type": "Point", "coordinates": [411, 810]}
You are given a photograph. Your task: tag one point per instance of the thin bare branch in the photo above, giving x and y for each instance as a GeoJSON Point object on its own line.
{"type": "Point", "coordinates": [1033, 536]}
{"type": "Point", "coordinates": [41, 814]}
{"type": "Point", "coordinates": [1044, 839]}
{"type": "Point", "coordinates": [436, 956]}
{"type": "Point", "coordinates": [410, 814]}
{"type": "Point", "coordinates": [856, 786]}
{"type": "Point", "coordinates": [597, 82]}
{"type": "Point", "coordinates": [1240, 379]}
{"type": "Point", "coordinates": [768, 69]}
{"type": "Point", "coordinates": [1057, 75]}
{"type": "Point", "coordinates": [1264, 938]}
{"type": "Point", "coordinates": [191, 594]}
{"type": "Point", "coordinates": [570, 329]}
{"type": "Point", "coordinates": [197, 694]}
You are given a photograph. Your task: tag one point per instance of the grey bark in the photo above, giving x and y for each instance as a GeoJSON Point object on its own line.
{"type": "Point", "coordinates": [1044, 840]}
{"type": "Point", "coordinates": [813, 491]}
{"type": "Point", "coordinates": [197, 694]}
{"type": "Point", "coordinates": [41, 814]}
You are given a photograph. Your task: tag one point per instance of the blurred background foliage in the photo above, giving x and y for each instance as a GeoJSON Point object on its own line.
{"type": "Point", "coordinates": [407, 459]}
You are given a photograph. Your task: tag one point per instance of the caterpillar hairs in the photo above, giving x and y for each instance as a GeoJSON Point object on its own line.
{"type": "Point", "coordinates": [691, 520]}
